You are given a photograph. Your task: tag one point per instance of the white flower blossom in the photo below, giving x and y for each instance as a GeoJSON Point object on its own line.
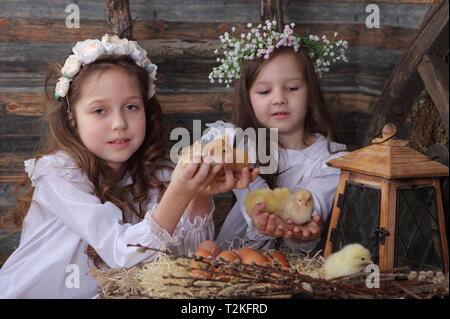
{"type": "Point", "coordinates": [62, 87]}
{"type": "Point", "coordinates": [115, 45]}
{"type": "Point", "coordinates": [139, 55]}
{"type": "Point", "coordinates": [71, 67]}
{"type": "Point", "coordinates": [88, 51]}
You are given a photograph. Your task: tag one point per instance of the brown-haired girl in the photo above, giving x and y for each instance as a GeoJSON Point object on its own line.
{"type": "Point", "coordinates": [100, 181]}
{"type": "Point", "coordinates": [277, 87]}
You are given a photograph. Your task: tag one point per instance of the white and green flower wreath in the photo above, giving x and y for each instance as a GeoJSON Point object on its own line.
{"type": "Point", "coordinates": [261, 41]}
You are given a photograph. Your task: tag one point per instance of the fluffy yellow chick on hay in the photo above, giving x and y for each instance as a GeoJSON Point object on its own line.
{"type": "Point", "coordinates": [350, 260]}
{"type": "Point", "coordinates": [283, 203]}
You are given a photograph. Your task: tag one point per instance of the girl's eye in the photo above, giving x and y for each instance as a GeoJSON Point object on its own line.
{"type": "Point", "coordinates": [99, 111]}
{"type": "Point", "coordinates": [263, 92]}
{"type": "Point", "coordinates": [131, 107]}
{"type": "Point", "coordinates": [293, 88]}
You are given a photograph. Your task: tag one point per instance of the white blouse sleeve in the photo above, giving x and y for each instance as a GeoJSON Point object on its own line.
{"type": "Point", "coordinates": [101, 224]}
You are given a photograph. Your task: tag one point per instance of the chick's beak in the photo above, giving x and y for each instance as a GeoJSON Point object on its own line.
{"type": "Point", "coordinates": [368, 262]}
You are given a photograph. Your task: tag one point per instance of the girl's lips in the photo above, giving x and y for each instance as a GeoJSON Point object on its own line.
{"type": "Point", "coordinates": [280, 115]}
{"type": "Point", "coordinates": [119, 141]}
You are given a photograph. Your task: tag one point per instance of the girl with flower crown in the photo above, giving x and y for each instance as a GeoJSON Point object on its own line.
{"type": "Point", "coordinates": [101, 181]}
{"type": "Point", "coordinates": [277, 87]}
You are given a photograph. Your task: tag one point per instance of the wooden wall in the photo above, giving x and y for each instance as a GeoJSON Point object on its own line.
{"type": "Point", "coordinates": [180, 37]}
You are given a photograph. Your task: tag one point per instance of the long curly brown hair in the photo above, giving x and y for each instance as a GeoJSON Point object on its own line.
{"type": "Point", "coordinates": [142, 166]}
{"type": "Point", "coordinates": [318, 118]}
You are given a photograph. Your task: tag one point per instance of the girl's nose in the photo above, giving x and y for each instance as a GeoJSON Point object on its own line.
{"type": "Point", "coordinates": [278, 97]}
{"type": "Point", "coordinates": [119, 122]}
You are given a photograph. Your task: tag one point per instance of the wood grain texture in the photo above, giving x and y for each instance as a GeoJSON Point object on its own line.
{"type": "Point", "coordinates": [433, 71]}
{"type": "Point", "coordinates": [392, 162]}
{"type": "Point", "coordinates": [55, 31]}
{"type": "Point", "coordinates": [400, 14]}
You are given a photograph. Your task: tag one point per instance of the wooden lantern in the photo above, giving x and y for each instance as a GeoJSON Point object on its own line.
{"type": "Point", "coordinates": [389, 200]}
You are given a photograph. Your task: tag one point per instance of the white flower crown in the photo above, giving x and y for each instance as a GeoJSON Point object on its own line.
{"type": "Point", "coordinates": [88, 51]}
{"type": "Point", "coordinates": [260, 42]}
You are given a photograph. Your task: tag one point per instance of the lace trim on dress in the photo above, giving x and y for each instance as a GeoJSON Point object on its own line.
{"type": "Point", "coordinates": [199, 223]}
{"type": "Point", "coordinates": [184, 226]}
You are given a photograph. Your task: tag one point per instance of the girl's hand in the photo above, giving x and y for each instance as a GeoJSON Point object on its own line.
{"type": "Point", "coordinates": [232, 180]}
{"type": "Point", "coordinates": [269, 224]}
{"type": "Point", "coordinates": [194, 179]}
{"type": "Point", "coordinates": [199, 178]}
{"type": "Point", "coordinates": [308, 231]}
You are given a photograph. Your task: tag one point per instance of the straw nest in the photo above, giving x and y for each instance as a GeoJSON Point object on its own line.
{"type": "Point", "coordinates": [169, 276]}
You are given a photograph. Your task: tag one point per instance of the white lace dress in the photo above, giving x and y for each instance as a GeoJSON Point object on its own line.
{"type": "Point", "coordinates": [65, 217]}
{"type": "Point", "coordinates": [303, 169]}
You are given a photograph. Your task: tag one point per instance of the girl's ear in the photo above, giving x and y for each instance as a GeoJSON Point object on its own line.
{"type": "Point", "coordinates": [70, 119]}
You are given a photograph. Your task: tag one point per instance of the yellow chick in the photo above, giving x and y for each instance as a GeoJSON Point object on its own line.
{"type": "Point", "coordinates": [188, 153]}
{"type": "Point", "coordinates": [220, 151]}
{"type": "Point", "coordinates": [298, 207]}
{"type": "Point", "coordinates": [351, 259]}
{"type": "Point", "coordinates": [272, 198]}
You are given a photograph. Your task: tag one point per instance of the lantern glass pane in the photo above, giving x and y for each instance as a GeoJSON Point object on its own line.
{"type": "Point", "coordinates": [417, 239]}
{"type": "Point", "coordinates": [359, 217]}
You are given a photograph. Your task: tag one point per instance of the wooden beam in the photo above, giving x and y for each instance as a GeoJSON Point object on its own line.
{"type": "Point", "coordinates": [434, 73]}
{"type": "Point", "coordinates": [405, 84]}
{"type": "Point", "coordinates": [119, 18]}
{"type": "Point", "coordinates": [272, 10]}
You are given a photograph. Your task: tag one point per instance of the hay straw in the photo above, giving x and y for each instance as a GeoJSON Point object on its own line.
{"type": "Point", "coordinates": [168, 277]}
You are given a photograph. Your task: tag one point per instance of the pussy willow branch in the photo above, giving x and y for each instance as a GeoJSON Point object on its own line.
{"type": "Point", "coordinates": [284, 282]}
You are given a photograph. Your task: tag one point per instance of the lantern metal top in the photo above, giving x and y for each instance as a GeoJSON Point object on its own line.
{"type": "Point", "coordinates": [389, 158]}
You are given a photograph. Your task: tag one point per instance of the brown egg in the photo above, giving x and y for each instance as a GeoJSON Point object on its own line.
{"type": "Point", "coordinates": [204, 264]}
{"type": "Point", "coordinates": [210, 246]}
{"type": "Point", "coordinates": [249, 255]}
{"type": "Point", "coordinates": [229, 255]}
{"type": "Point", "coordinates": [280, 258]}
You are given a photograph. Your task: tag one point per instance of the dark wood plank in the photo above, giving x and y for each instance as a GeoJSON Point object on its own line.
{"type": "Point", "coordinates": [400, 14]}
{"type": "Point", "coordinates": [352, 1]}
{"type": "Point", "coordinates": [18, 144]}
{"type": "Point", "coordinates": [193, 78]}
{"type": "Point", "coordinates": [434, 73]}
{"type": "Point", "coordinates": [51, 31]}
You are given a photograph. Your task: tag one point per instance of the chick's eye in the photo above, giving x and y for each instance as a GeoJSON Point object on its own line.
{"type": "Point", "coordinates": [363, 258]}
